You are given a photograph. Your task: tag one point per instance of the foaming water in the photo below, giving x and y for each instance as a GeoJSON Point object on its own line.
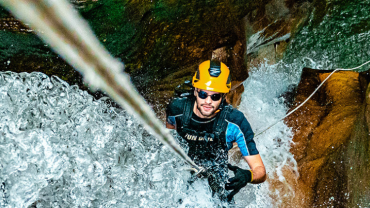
{"type": "Point", "coordinates": [60, 147]}
{"type": "Point", "coordinates": [263, 105]}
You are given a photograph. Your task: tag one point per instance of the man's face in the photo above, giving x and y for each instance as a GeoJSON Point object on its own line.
{"type": "Point", "coordinates": [206, 107]}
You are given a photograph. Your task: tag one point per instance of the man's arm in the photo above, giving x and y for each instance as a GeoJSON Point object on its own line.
{"type": "Point", "coordinates": [242, 177]}
{"type": "Point", "coordinates": [169, 126]}
{"type": "Point", "coordinates": [257, 168]}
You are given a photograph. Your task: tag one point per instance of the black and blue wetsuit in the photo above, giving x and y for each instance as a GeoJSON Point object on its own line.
{"type": "Point", "coordinates": [209, 140]}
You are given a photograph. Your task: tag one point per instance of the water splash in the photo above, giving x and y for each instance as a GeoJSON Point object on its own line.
{"type": "Point", "coordinates": [69, 35]}
{"type": "Point", "coordinates": [263, 104]}
{"type": "Point", "coordinates": [60, 147]}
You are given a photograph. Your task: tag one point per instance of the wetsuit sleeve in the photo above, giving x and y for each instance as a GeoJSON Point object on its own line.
{"type": "Point", "coordinates": [169, 115]}
{"type": "Point", "coordinates": [171, 120]}
{"type": "Point", "coordinates": [240, 131]}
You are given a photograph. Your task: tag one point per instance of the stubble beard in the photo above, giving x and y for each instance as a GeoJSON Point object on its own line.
{"type": "Point", "coordinates": [205, 114]}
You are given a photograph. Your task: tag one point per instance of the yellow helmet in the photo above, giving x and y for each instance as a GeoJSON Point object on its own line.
{"type": "Point", "coordinates": [213, 76]}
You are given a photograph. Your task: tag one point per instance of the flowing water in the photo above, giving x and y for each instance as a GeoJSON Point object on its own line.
{"type": "Point", "coordinates": [263, 105]}
{"type": "Point", "coordinates": [61, 148]}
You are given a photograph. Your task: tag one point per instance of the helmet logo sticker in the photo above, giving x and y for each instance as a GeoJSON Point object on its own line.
{"type": "Point", "coordinates": [215, 69]}
{"type": "Point", "coordinates": [212, 75]}
{"type": "Point", "coordinates": [214, 72]}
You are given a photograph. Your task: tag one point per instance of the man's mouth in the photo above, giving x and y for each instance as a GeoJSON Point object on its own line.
{"type": "Point", "coordinates": [207, 108]}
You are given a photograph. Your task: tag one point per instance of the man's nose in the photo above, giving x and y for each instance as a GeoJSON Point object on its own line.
{"type": "Point", "coordinates": [208, 99]}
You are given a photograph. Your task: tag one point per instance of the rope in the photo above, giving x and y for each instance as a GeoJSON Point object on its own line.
{"type": "Point", "coordinates": [74, 41]}
{"type": "Point", "coordinates": [69, 35]}
{"type": "Point", "coordinates": [339, 69]}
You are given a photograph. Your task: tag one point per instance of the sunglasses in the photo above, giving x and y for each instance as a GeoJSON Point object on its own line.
{"type": "Point", "coordinates": [204, 95]}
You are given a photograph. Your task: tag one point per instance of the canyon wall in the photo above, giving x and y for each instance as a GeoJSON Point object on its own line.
{"type": "Point", "coordinates": [331, 139]}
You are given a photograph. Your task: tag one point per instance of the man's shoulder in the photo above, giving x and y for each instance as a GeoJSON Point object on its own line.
{"type": "Point", "coordinates": [235, 114]}
{"type": "Point", "coordinates": [236, 117]}
{"type": "Point", "coordinates": [239, 125]}
{"type": "Point", "coordinates": [176, 106]}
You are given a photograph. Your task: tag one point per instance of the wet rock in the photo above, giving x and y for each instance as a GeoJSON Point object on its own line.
{"type": "Point", "coordinates": [322, 131]}
{"type": "Point", "coordinates": [289, 95]}
{"type": "Point", "coordinates": [305, 119]}
{"type": "Point", "coordinates": [269, 28]}
{"type": "Point", "coordinates": [357, 166]}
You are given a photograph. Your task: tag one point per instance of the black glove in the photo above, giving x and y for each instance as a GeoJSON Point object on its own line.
{"type": "Point", "coordinates": [242, 177]}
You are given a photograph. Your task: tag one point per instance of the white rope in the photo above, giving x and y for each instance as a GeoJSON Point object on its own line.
{"type": "Point", "coordinates": [339, 69]}
{"type": "Point", "coordinates": [60, 26]}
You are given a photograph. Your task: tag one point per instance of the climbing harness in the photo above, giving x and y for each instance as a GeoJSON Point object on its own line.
{"type": "Point", "coordinates": [208, 144]}
{"type": "Point", "coordinates": [220, 124]}
{"type": "Point", "coordinates": [339, 69]}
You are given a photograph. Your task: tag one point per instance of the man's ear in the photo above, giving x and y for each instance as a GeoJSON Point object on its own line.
{"type": "Point", "coordinates": [195, 89]}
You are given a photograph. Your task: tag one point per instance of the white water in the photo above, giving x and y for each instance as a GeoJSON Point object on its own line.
{"type": "Point", "coordinates": [262, 105]}
{"type": "Point", "coordinates": [59, 147]}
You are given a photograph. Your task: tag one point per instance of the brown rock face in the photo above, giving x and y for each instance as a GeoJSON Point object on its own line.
{"type": "Point", "coordinates": [357, 166]}
{"type": "Point", "coordinates": [322, 130]}
{"type": "Point", "coordinates": [270, 26]}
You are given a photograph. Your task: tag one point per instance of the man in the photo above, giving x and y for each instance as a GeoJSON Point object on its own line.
{"type": "Point", "coordinates": [210, 127]}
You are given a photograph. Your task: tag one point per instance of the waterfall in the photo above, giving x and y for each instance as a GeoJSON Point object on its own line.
{"type": "Point", "coordinates": [59, 146]}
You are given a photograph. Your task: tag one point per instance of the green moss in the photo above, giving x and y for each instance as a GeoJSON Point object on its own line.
{"type": "Point", "coordinates": [21, 43]}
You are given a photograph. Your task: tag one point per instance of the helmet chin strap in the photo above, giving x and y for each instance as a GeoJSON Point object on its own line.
{"type": "Point", "coordinates": [220, 106]}
{"type": "Point", "coordinates": [217, 111]}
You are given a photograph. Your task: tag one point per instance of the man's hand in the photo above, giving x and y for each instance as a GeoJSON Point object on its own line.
{"type": "Point", "coordinates": [242, 177]}
{"type": "Point", "coordinates": [169, 126]}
